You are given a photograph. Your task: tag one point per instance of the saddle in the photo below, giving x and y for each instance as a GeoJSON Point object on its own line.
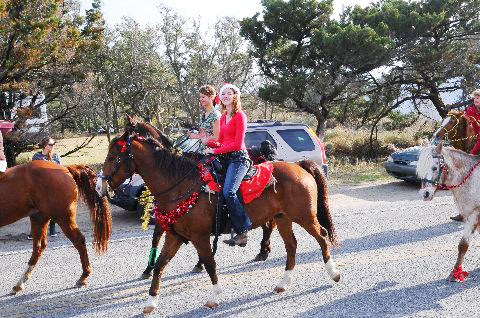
{"type": "Point", "coordinates": [255, 181]}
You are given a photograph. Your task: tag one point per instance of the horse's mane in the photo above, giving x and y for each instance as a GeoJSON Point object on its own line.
{"type": "Point", "coordinates": [425, 161]}
{"type": "Point", "coordinates": [173, 164]}
{"type": "Point", "coordinates": [148, 129]}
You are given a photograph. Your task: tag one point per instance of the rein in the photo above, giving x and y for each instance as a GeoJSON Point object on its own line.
{"type": "Point", "coordinates": [468, 175]}
{"type": "Point", "coordinates": [129, 156]}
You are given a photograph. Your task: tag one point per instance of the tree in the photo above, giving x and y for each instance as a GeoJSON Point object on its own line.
{"type": "Point", "coordinates": [44, 49]}
{"type": "Point", "coordinates": [197, 56]}
{"type": "Point", "coordinates": [310, 58]}
{"type": "Point", "coordinates": [436, 46]}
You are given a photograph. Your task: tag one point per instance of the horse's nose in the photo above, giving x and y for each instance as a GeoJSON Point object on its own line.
{"type": "Point", "coordinates": [426, 194]}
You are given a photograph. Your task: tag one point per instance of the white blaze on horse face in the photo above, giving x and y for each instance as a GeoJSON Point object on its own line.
{"type": "Point", "coordinates": [428, 170]}
{"type": "Point", "coordinates": [103, 186]}
{"type": "Point", "coordinates": [99, 186]}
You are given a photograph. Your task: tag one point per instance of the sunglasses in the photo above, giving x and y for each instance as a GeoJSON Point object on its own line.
{"type": "Point", "coordinates": [52, 144]}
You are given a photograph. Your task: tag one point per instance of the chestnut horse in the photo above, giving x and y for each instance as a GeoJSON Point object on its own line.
{"type": "Point", "coordinates": [458, 172]}
{"type": "Point", "coordinates": [146, 129]}
{"type": "Point", "coordinates": [456, 130]}
{"type": "Point", "coordinates": [299, 195]}
{"type": "Point", "coordinates": [43, 190]}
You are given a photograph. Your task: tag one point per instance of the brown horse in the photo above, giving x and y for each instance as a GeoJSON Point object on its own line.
{"type": "Point", "coordinates": [146, 129]}
{"type": "Point", "coordinates": [456, 129]}
{"type": "Point", "coordinates": [43, 190]}
{"type": "Point", "coordinates": [299, 195]}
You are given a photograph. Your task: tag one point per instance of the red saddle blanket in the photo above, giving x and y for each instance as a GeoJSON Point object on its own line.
{"type": "Point", "coordinates": [251, 188]}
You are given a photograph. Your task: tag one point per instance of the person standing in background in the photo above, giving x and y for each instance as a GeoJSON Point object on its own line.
{"type": "Point", "coordinates": [48, 153]}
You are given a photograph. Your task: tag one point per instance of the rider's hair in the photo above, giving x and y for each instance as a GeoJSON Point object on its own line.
{"type": "Point", "coordinates": [237, 104]}
{"type": "Point", "coordinates": [476, 92]}
{"type": "Point", "coordinates": [208, 90]}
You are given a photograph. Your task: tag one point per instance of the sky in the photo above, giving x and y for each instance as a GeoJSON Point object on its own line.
{"type": "Point", "coordinates": [145, 11]}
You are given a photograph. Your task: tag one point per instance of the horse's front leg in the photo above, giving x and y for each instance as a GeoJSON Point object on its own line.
{"type": "Point", "coordinates": [202, 244]}
{"type": "Point", "coordinates": [39, 235]}
{"type": "Point", "coordinates": [169, 249]}
{"type": "Point", "coordinates": [457, 274]}
{"type": "Point", "coordinates": [157, 235]}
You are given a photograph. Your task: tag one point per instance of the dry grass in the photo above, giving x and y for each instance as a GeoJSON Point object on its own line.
{"type": "Point", "coordinates": [341, 170]}
{"type": "Point", "coordinates": [93, 154]}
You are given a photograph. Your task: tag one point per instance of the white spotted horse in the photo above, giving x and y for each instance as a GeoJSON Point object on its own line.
{"type": "Point", "coordinates": [443, 166]}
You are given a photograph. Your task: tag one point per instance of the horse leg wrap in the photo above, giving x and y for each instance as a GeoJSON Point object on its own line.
{"type": "Point", "coordinates": [153, 256]}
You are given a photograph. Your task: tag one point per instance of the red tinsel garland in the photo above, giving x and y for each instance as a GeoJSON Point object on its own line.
{"type": "Point", "coordinates": [459, 274]}
{"type": "Point", "coordinates": [168, 218]}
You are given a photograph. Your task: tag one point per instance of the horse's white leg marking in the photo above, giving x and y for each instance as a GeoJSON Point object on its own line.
{"type": "Point", "coordinates": [212, 300]}
{"type": "Point", "coordinates": [150, 304]}
{"type": "Point", "coordinates": [25, 277]}
{"type": "Point", "coordinates": [286, 280]}
{"type": "Point", "coordinates": [332, 269]}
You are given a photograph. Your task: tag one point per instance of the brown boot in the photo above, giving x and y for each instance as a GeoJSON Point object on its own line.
{"type": "Point", "coordinates": [457, 218]}
{"type": "Point", "coordinates": [240, 240]}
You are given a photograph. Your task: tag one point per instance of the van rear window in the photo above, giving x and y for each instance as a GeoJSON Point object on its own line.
{"type": "Point", "coordinates": [255, 138]}
{"type": "Point", "coordinates": [298, 139]}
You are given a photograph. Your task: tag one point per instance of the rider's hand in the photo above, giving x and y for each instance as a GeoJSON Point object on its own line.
{"type": "Point", "coordinates": [208, 151]}
{"type": "Point", "coordinates": [204, 139]}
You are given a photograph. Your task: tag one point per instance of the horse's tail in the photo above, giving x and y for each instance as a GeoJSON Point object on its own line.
{"type": "Point", "coordinates": [86, 178]}
{"type": "Point", "coordinates": [323, 211]}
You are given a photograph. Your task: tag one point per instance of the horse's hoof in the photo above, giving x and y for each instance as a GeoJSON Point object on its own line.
{"type": "Point", "coordinates": [17, 289]}
{"type": "Point", "coordinates": [148, 310]}
{"type": "Point", "coordinates": [261, 257]}
{"type": "Point", "coordinates": [242, 245]}
{"type": "Point", "coordinates": [278, 290]}
{"type": "Point", "coordinates": [337, 278]}
{"type": "Point", "coordinates": [211, 304]}
{"type": "Point", "coordinates": [81, 283]}
{"type": "Point", "coordinates": [197, 269]}
{"type": "Point", "coordinates": [145, 276]}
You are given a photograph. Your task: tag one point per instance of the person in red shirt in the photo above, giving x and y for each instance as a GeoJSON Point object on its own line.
{"type": "Point", "coordinates": [473, 115]}
{"type": "Point", "coordinates": [231, 145]}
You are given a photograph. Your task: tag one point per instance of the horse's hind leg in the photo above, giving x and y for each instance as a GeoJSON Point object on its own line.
{"type": "Point", "coordinates": [169, 249]}
{"type": "Point", "coordinates": [265, 248]}
{"type": "Point", "coordinates": [39, 241]}
{"type": "Point", "coordinates": [285, 229]}
{"type": "Point", "coordinates": [457, 274]}
{"type": "Point", "coordinates": [321, 235]}
{"type": "Point", "coordinates": [71, 231]}
{"type": "Point", "coordinates": [157, 234]}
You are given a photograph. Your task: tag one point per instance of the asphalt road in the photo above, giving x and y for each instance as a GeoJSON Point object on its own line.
{"type": "Point", "coordinates": [395, 256]}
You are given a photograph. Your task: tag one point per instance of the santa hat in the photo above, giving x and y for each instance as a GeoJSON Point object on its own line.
{"type": "Point", "coordinates": [228, 85]}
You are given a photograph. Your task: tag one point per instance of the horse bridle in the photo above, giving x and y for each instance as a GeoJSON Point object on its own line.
{"type": "Point", "coordinates": [442, 172]}
{"type": "Point", "coordinates": [129, 157]}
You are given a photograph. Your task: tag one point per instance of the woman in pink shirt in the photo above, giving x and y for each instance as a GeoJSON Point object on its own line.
{"type": "Point", "coordinates": [231, 145]}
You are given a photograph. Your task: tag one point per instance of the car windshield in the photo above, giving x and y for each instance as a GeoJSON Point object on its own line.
{"type": "Point", "coordinates": [255, 138]}
{"type": "Point", "coordinates": [186, 144]}
{"type": "Point", "coordinates": [298, 139]}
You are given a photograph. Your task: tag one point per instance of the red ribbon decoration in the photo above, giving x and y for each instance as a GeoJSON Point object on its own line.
{"type": "Point", "coordinates": [459, 274]}
{"type": "Point", "coordinates": [168, 218]}
{"type": "Point", "coordinates": [123, 144]}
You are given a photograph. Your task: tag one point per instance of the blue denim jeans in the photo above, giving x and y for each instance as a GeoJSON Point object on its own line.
{"type": "Point", "coordinates": [235, 172]}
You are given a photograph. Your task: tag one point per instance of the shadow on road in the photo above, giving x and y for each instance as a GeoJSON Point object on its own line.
{"type": "Point", "coordinates": [389, 192]}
